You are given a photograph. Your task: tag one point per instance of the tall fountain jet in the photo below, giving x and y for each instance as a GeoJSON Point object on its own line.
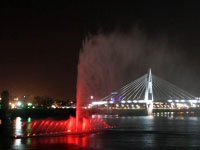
{"type": "Point", "coordinates": [148, 97]}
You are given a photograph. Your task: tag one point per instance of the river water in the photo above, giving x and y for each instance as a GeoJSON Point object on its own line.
{"type": "Point", "coordinates": [159, 131]}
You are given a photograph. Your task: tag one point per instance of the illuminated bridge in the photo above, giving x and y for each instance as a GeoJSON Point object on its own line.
{"type": "Point", "coordinates": [148, 92]}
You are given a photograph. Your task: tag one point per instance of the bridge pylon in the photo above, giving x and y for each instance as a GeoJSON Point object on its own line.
{"type": "Point", "coordinates": [148, 97]}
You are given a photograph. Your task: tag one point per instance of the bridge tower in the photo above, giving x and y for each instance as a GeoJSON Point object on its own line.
{"type": "Point", "coordinates": [148, 97]}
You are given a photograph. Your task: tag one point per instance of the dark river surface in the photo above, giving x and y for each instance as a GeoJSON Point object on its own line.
{"type": "Point", "coordinates": [159, 131]}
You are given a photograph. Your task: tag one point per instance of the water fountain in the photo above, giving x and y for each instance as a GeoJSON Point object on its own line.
{"type": "Point", "coordinates": [106, 63]}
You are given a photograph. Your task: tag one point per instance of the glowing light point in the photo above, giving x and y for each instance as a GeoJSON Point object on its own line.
{"type": "Point", "coordinates": [53, 106]}
{"type": "Point", "coordinates": [123, 101]}
{"type": "Point", "coordinates": [30, 105]}
{"type": "Point", "coordinates": [19, 103]}
{"type": "Point", "coordinates": [29, 119]}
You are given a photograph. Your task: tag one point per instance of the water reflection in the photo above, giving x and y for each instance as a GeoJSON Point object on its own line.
{"type": "Point", "coordinates": [17, 144]}
{"type": "Point", "coordinates": [17, 126]}
{"type": "Point", "coordinates": [158, 130]}
{"type": "Point", "coordinates": [65, 142]}
{"type": "Point", "coordinates": [80, 141]}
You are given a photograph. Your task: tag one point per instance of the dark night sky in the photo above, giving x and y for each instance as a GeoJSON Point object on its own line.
{"type": "Point", "coordinates": [40, 41]}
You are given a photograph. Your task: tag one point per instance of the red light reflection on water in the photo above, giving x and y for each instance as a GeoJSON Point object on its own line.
{"type": "Point", "coordinates": [53, 127]}
{"type": "Point", "coordinates": [80, 141]}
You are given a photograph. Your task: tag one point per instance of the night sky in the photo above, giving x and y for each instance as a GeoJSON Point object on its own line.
{"type": "Point", "coordinates": [40, 41]}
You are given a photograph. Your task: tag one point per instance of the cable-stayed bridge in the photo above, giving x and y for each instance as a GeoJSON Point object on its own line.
{"type": "Point", "coordinates": [148, 90]}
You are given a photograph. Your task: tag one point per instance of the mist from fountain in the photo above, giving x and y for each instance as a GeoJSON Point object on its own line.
{"type": "Point", "coordinates": [106, 63]}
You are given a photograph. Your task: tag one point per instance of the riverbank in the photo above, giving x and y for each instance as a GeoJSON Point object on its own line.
{"type": "Point", "coordinates": [41, 113]}
{"type": "Point", "coordinates": [65, 113]}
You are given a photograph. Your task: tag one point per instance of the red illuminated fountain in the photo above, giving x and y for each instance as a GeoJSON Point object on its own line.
{"type": "Point", "coordinates": [71, 126]}
{"type": "Point", "coordinates": [50, 127]}
{"type": "Point", "coordinates": [89, 81]}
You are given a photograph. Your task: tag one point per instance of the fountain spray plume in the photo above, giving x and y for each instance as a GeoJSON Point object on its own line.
{"type": "Point", "coordinates": [109, 61]}
{"type": "Point", "coordinates": [105, 61]}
